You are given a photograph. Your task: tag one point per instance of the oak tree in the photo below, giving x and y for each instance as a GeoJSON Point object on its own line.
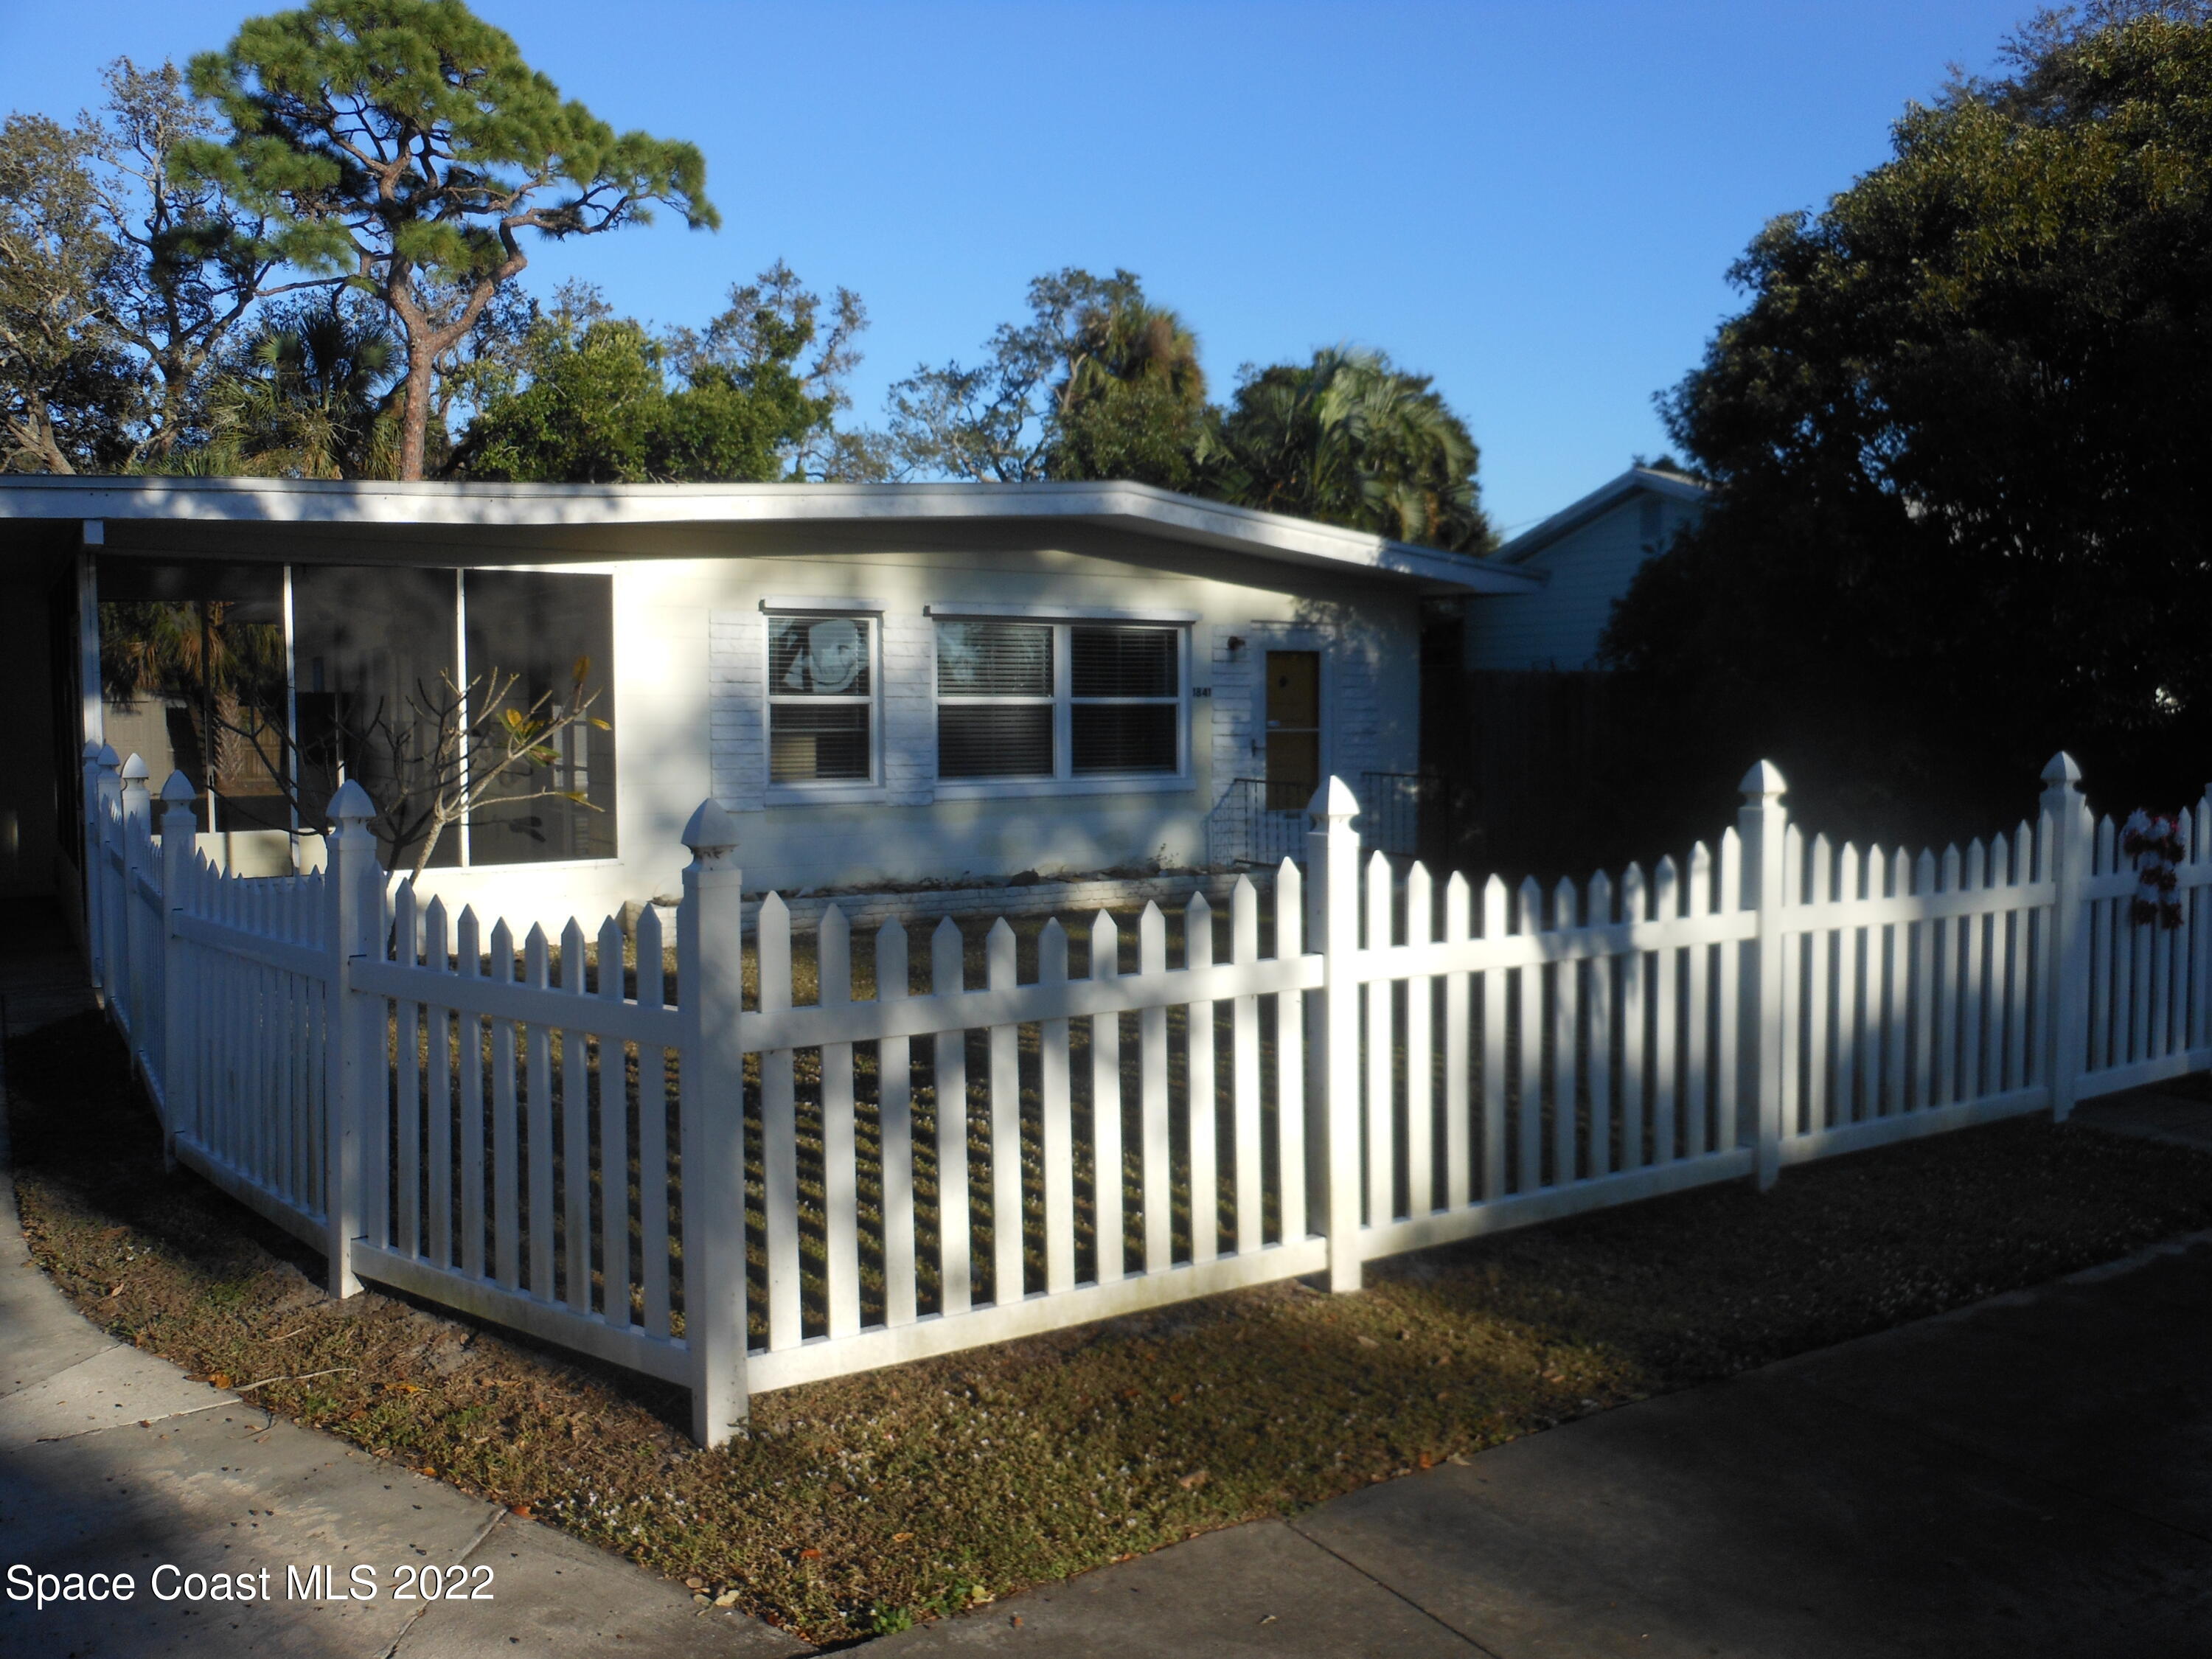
{"type": "Point", "coordinates": [1964, 514]}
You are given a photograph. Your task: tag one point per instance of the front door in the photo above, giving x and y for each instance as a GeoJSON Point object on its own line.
{"type": "Point", "coordinates": [1293, 729]}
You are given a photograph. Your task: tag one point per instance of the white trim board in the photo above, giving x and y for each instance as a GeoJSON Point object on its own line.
{"type": "Point", "coordinates": [989, 610]}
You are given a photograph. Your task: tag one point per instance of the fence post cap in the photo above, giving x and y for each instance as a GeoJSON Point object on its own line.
{"type": "Point", "coordinates": [92, 753]}
{"type": "Point", "coordinates": [107, 759]}
{"type": "Point", "coordinates": [351, 805]}
{"type": "Point", "coordinates": [178, 790]}
{"type": "Point", "coordinates": [2062, 770]}
{"type": "Point", "coordinates": [1764, 780]}
{"type": "Point", "coordinates": [1334, 799]}
{"type": "Point", "coordinates": [710, 833]}
{"type": "Point", "coordinates": [135, 770]}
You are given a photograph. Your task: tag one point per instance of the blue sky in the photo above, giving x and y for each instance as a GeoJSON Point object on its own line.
{"type": "Point", "coordinates": [1536, 204]}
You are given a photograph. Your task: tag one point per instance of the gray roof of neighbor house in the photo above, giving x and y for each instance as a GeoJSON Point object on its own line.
{"type": "Point", "coordinates": [311, 521]}
{"type": "Point", "coordinates": [1637, 480]}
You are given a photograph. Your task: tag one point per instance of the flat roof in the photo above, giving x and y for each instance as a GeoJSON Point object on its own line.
{"type": "Point", "coordinates": [574, 520]}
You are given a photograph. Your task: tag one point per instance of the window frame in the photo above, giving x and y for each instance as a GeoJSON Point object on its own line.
{"type": "Point", "coordinates": [821, 792]}
{"type": "Point", "coordinates": [1055, 700]}
{"type": "Point", "coordinates": [1064, 779]}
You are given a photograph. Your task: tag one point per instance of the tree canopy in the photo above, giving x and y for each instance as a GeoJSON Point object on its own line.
{"type": "Point", "coordinates": [1098, 383]}
{"type": "Point", "coordinates": [750, 397]}
{"type": "Point", "coordinates": [406, 146]}
{"type": "Point", "coordinates": [302, 259]}
{"type": "Point", "coordinates": [1349, 439]}
{"type": "Point", "coordinates": [67, 392]}
{"type": "Point", "coordinates": [1958, 437]}
{"type": "Point", "coordinates": [1102, 383]}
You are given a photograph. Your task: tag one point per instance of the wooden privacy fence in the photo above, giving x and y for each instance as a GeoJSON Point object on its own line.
{"type": "Point", "coordinates": [792, 1158]}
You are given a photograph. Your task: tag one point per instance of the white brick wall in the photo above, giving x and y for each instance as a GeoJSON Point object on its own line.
{"type": "Point", "coordinates": [909, 710]}
{"type": "Point", "coordinates": [1236, 708]}
{"type": "Point", "coordinates": [737, 714]}
{"type": "Point", "coordinates": [1355, 710]}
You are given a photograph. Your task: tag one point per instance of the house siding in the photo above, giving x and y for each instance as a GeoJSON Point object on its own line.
{"type": "Point", "coordinates": [1588, 569]}
{"type": "Point", "coordinates": [690, 671]}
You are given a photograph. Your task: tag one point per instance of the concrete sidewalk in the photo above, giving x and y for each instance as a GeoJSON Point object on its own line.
{"type": "Point", "coordinates": [112, 1461]}
{"type": "Point", "coordinates": [2031, 1475]}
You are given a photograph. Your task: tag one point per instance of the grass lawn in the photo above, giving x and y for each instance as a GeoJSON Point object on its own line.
{"type": "Point", "coordinates": [865, 1503]}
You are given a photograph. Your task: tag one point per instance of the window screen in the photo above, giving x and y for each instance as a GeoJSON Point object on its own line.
{"type": "Point", "coordinates": [994, 689]}
{"type": "Point", "coordinates": [373, 659]}
{"type": "Point", "coordinates": [191, 664]}
{"type": "Point", "coordinates": [821, 711]}
{"type": "Point", "coordinates": [1127, 696]}
{"type": "Point", "coordinates": [548, 638]}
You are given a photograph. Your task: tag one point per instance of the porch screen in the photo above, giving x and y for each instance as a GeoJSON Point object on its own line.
{"type": "Point", "coordinates": [821, 700]}
{"type": "Point", "coordinates": [192, 671]}
{"type": "Point", "coordinates": [542, 642]}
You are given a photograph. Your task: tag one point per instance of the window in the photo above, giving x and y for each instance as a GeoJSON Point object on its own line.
{"type": "Point", "coordinates": [542, 631]}
{"type": "Point", "coordinates": [821, 702]}
{"type": "Point", "coordinates": [1127, 694]}
{"type": "Point", "coordinates": [1058, 700]}
{"type": "Point", "coordinates": [995, 700]}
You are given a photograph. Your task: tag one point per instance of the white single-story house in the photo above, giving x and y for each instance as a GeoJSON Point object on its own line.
{"type": "Point", "coordinates": [1588, 554]}
{"type": "Point", "coordinates": [885, 682]}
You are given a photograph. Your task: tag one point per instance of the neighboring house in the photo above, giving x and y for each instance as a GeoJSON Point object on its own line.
{"type": "Point", "coordinates": [1587, 555]}
{"type": "Point", "coordinates": [885, 682]}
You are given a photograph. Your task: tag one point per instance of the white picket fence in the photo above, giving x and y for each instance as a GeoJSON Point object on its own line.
{"type": "Point", "coordinates": [862, 1163]}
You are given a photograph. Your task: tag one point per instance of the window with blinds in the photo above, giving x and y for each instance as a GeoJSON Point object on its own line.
{"type": "Point", "coordinates": [1057, 700]}
{"type": "Point", "coordinates": [995, 700]}
{"type": "Point", "coordinates": [1124, 698]}
{"type": "Point", "coordinates": [821, 700]}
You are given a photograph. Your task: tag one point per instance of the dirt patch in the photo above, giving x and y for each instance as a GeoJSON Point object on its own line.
{"type": "Point", "coordinates": [864, 1503]}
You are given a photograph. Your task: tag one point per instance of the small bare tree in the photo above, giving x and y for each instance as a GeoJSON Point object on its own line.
{"type": "Point", "coordinates": [458, 747]}
{"type": "Point", "coordinates": [429, 760]}
{"type": "Point", "coordinates": [445, 751]}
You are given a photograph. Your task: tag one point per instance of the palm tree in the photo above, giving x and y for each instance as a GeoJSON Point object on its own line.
{"type": "Point", "coordinates": [1349, 439]}
{"type": "Point", "coordinates": [1131, 403]}
{"type": "Point", "coordinates": [309, 397]}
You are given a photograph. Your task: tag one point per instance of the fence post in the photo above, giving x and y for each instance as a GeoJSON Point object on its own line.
{"type": "Point", "coordinates": [136, 817]}
{"type": "Point", "coordinates": [354, 1054]}
{"type": "Point", "coordinates": [1333, 869]}
{"type": "Point", "coordinates": [107, 797]}
{"type": "Point", "coordinates": [2066, 1009]}
{"type": "Point", "coordinates": [95, 941]}
{"type": "Point", "coordinates": [179, 1041]}
{"type": "Point", "coordinates": [1762, 825]}
{"type": "Point", "coordinates": [710, 989]}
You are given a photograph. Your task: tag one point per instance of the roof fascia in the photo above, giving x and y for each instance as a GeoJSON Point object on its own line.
{"type": "Point", "coordinates": [1158, 513]}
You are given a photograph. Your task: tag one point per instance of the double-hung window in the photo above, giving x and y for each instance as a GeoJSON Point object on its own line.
{"type": "Point", "coordinates": [995, 704]}
{"type": "Point", "coordinates": [1125, 700]}
{"type": "Point", "coordinates": [1029, 700]}
{"type": "Point", "coordinates": [821, 699]}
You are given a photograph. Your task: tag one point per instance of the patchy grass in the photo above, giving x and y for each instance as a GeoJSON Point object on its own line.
{"type": "Point", "coordinates": [865, 1503]}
